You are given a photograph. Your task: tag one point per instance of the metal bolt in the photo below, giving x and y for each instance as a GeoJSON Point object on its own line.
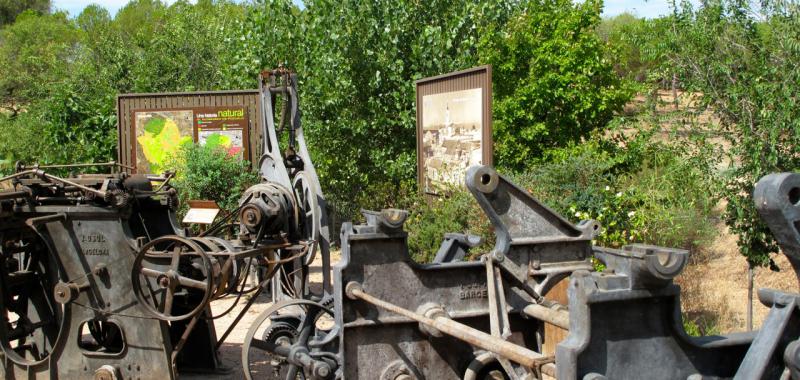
{"type": "Point", "coordinates": [163, 281]}
{"type": "Point", "coordinates": [323, 371]}
{"type": "Point", "coordinates": [498, 256]}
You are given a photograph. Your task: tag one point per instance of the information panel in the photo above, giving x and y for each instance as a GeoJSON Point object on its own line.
{"type": "Point", "coordinates": [224, 127]}
{"type": "Point", "coordinates": [161, 133]}
{"type": "Point", "coordinates": [153, 127]}
{"type": "Point", "coordinates": [454, 127]}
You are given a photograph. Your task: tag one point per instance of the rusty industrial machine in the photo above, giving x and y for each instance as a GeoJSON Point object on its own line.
{"type": "Point", "coordinates": [396, 319]}
{"type": "Point", "coordinates": [99, 281]}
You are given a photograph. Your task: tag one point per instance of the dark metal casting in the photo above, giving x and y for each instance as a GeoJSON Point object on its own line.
{"type": "Point", "coordinates": [97, 280]}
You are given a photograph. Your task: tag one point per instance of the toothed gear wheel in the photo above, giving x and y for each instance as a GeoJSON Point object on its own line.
{"type": "Point", "coordinates": [117, 198]}
{"type": "Point", "coordinates": [281, 332]}
{"type": "Point", "coordinates": [172, 200]}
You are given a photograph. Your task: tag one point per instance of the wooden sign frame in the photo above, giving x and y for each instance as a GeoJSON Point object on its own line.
{"type": "Point", "coordinates": [449, 141]}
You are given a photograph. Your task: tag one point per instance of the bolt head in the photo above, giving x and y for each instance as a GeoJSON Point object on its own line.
{"type": "Point", "coordinates": [163, 281]}
{"type": "Point", "coordinates": [323, 371]}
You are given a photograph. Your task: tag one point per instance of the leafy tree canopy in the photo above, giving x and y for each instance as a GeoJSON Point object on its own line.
{"type": "Point", "coordinates": [10, 9]}
{"type": "Point", "coordinates": [743, 60]}
{"type": "Point", "coordinates": [553, 83]}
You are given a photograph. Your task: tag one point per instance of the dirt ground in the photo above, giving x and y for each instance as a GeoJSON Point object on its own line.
{"type": "Point", "coordinates": [231, 351]}
{"type": "Point", "coordinates": [714, 285]}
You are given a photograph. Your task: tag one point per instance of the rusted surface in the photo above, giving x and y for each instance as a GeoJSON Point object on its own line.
{"type": "Point", "coordinates": [450, 327]}
{"type": "Point", "coordinates": [553, 316]}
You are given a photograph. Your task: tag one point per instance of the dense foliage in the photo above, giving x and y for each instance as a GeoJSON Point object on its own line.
{"type": "Point", "coordinates": [553, 83]}
{"type": "Point", "coordinates": [10, 9]}
{"type": "Point", "coordinates": [746, 68]}
{"type": "Point", "coordinates": [357, 62]}
{"type": "Point", "coordinates": [204, 172]}
{"type": "Point", "coordinates": [561, 77]}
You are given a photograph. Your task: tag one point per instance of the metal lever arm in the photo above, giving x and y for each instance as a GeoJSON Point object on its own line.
{"type": "Point", "coordinates": [457, 330]}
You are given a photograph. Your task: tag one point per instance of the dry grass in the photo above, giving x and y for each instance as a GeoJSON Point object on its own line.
{"type": "Point", "coordinates": [714, 284]}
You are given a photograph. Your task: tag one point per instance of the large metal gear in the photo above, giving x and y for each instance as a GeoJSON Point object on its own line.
{"type": "Point", "coordinates": [294, 346]}
{"type": "Point", "coordinates": [281, 331]}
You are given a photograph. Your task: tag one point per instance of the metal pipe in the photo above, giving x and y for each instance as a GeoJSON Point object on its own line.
{"type": "Point", "coordinates": [455, 329]}
{"type": "Point", "coordinates": [553, 315]}
{"type": "Point", "coordinates": [58, 166]}
{"type": "Point", "coordinates": [68, 182]}
{"type": "Point", "coordinates": [15, 175]}
{"type": "Point", "coordinates": [41, 173]}
{"type": "Point", "coordinates": [13, 195]}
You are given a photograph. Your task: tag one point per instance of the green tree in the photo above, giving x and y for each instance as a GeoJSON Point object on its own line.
{"type": "Point", "coordinates": [553, 84]}
{"type": "Point", "coordinates": [357, 62]}
{"type": "Point", "coordinates": [34, 57]}
{"type": "Point", "coordinates": [184, 50]}
{"type": "Point", "coordinates": [363, 58]}
{"type": "Point", "coordinates": [10, 9]}
{"type": "Point", "coordinates": [746, 71]}
{"type": "Point", "coordinates": [270, 34]}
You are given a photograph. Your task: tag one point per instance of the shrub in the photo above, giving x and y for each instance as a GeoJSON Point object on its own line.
{"type": "Point", "coordinates": [211, 174]}
{"type": "Point", "coordinates": [639, 191]}
{"type": "Point", "coordinates": [431, 218]}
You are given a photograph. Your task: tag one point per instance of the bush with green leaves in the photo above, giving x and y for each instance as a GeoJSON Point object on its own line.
{"type": "Point", "coordinates": [742, 58]}
{"type": "Point", "coordinates": [431, 218]}
{"type": "Point", "coordinates": [553, 84]}
{"type": "Point", "coordinates": [208, 173]}
{"type": "Point", "coordinates": [640, 190]}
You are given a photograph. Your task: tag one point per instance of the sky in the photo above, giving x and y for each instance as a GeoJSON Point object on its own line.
{"type": "Point", "coordinates": [642, 8]}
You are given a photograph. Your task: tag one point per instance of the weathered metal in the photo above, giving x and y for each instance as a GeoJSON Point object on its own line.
{"type": "Point", "coordinates": [99, 281]}
{"type": "Point", "coordinates": [440, 321]}
{"type": "Point", "coordinates": [555, 314]}
{"type": "Point", "coordinates": [397, 319]}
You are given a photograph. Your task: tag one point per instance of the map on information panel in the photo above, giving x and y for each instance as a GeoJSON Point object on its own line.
{"type": "Point", "coordinates": [159, 135]}
{"type": "Point", "coordinates": [224, 128]}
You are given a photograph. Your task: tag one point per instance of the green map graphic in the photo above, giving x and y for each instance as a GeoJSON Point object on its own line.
{"type": "Point", "coordinates": [216, 140]}
{"type": "Point", "coordinates": [161, 138]}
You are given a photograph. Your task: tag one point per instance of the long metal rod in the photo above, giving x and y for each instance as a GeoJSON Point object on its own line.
{"type": "Point", "coordinates": [182, 342]}
{"type": "Point", "coordinates": [56, 166]}
{"type": "Point", "coordinates": [51, 177]}
{"type": "Point", "coordinates": [553, 316]}
{"type": "Point", "coordinates": [15, 175]}
{"type": "Point", "coordinates": [13, 194]}
{"type": "Point", "coordinates": [455, 329]}
{"type": "Point", "coordinates": [68, 182]}
{"type": "Point", "coordinates": [498, 315]}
